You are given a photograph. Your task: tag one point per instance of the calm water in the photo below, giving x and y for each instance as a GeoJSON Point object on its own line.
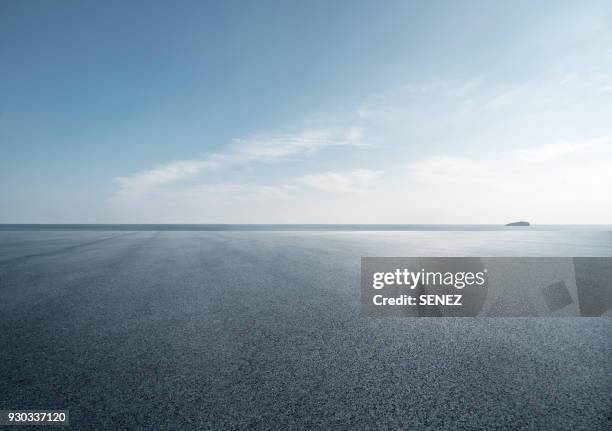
{"type": "Point", "coordinates": [294, 227]}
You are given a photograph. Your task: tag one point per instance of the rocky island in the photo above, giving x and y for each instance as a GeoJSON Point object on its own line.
{"type": "Point", "coordinates": [518, 223]}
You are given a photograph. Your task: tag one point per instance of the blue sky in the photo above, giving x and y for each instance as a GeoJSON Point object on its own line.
{"type": "Point", "coordinates": [305, 112]}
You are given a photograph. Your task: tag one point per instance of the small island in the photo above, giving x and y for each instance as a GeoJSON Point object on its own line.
{"type": "Point", "coordinates": [518, 223]}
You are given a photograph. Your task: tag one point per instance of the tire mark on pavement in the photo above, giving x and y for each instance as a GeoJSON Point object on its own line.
{"type": "Point", "coordinates": [61, 250]}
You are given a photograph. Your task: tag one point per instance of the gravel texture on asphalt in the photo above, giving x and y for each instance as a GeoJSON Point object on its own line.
{"type": "Point", "coordinates": [262, 330]}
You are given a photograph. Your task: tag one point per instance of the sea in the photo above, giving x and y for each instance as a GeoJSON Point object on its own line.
{"type": "Point", "coordinates": [301, 227]}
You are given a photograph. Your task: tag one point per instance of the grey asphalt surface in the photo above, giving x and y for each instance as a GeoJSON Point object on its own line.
{"type": "Point", "coordinates": [262, 330]}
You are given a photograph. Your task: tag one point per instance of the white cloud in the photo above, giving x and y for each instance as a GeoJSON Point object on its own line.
{"type": "Point", "coordinates": [549, 152]}
{"type": "Point", "coordinates": [354, 135]}
{"type": "Point", "coordinates": [263, 149]}
{"type": "Point", "coordinates": [339, 181]}
{"type": "Point", "coordinates": [573, 186]}
{"type": "Point", "coordinates": [451, 152]}
{"type": "Point", "coordinates": [161, 175]}
{"type": "Point", "coordinates": [443, 189]}
{"type": "Point", "coordinates": [451, 168]}
{"type": "Point", "coordinates": [508, 98]}
{"type": "Point", "coordinates": [282, 146]}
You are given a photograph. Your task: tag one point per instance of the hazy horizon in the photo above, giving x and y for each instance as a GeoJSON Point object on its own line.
{"type": "Point", "coordinates": [344, 112]}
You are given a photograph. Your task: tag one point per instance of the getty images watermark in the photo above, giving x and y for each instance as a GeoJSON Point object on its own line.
{"type": "Point", "coordinates": [489, 287]}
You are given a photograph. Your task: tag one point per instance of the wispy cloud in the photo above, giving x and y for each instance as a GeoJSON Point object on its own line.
{"type": "Point", "coordinates": [460, 168]}
{"type": "Point", "coordinates": [261, 149]}
{"type": "Point", "coordinates": [444, 152]}
{"type": "Point", "coordinates": [281, 147]}
{"type": "Point", "coordinates": [350, 181]}
{"type": "Point", "coordinates": [549, 152]}
{"type": "Point", "coordinates": [450, 168]}
{"type": "Point", "coordinates": [161, 175]}
{"type": "Point", "coordinates": [440, 189]}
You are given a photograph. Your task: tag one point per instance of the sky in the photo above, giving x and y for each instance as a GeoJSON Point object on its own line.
{"type": "Point", "coordinates": [305, 112]}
